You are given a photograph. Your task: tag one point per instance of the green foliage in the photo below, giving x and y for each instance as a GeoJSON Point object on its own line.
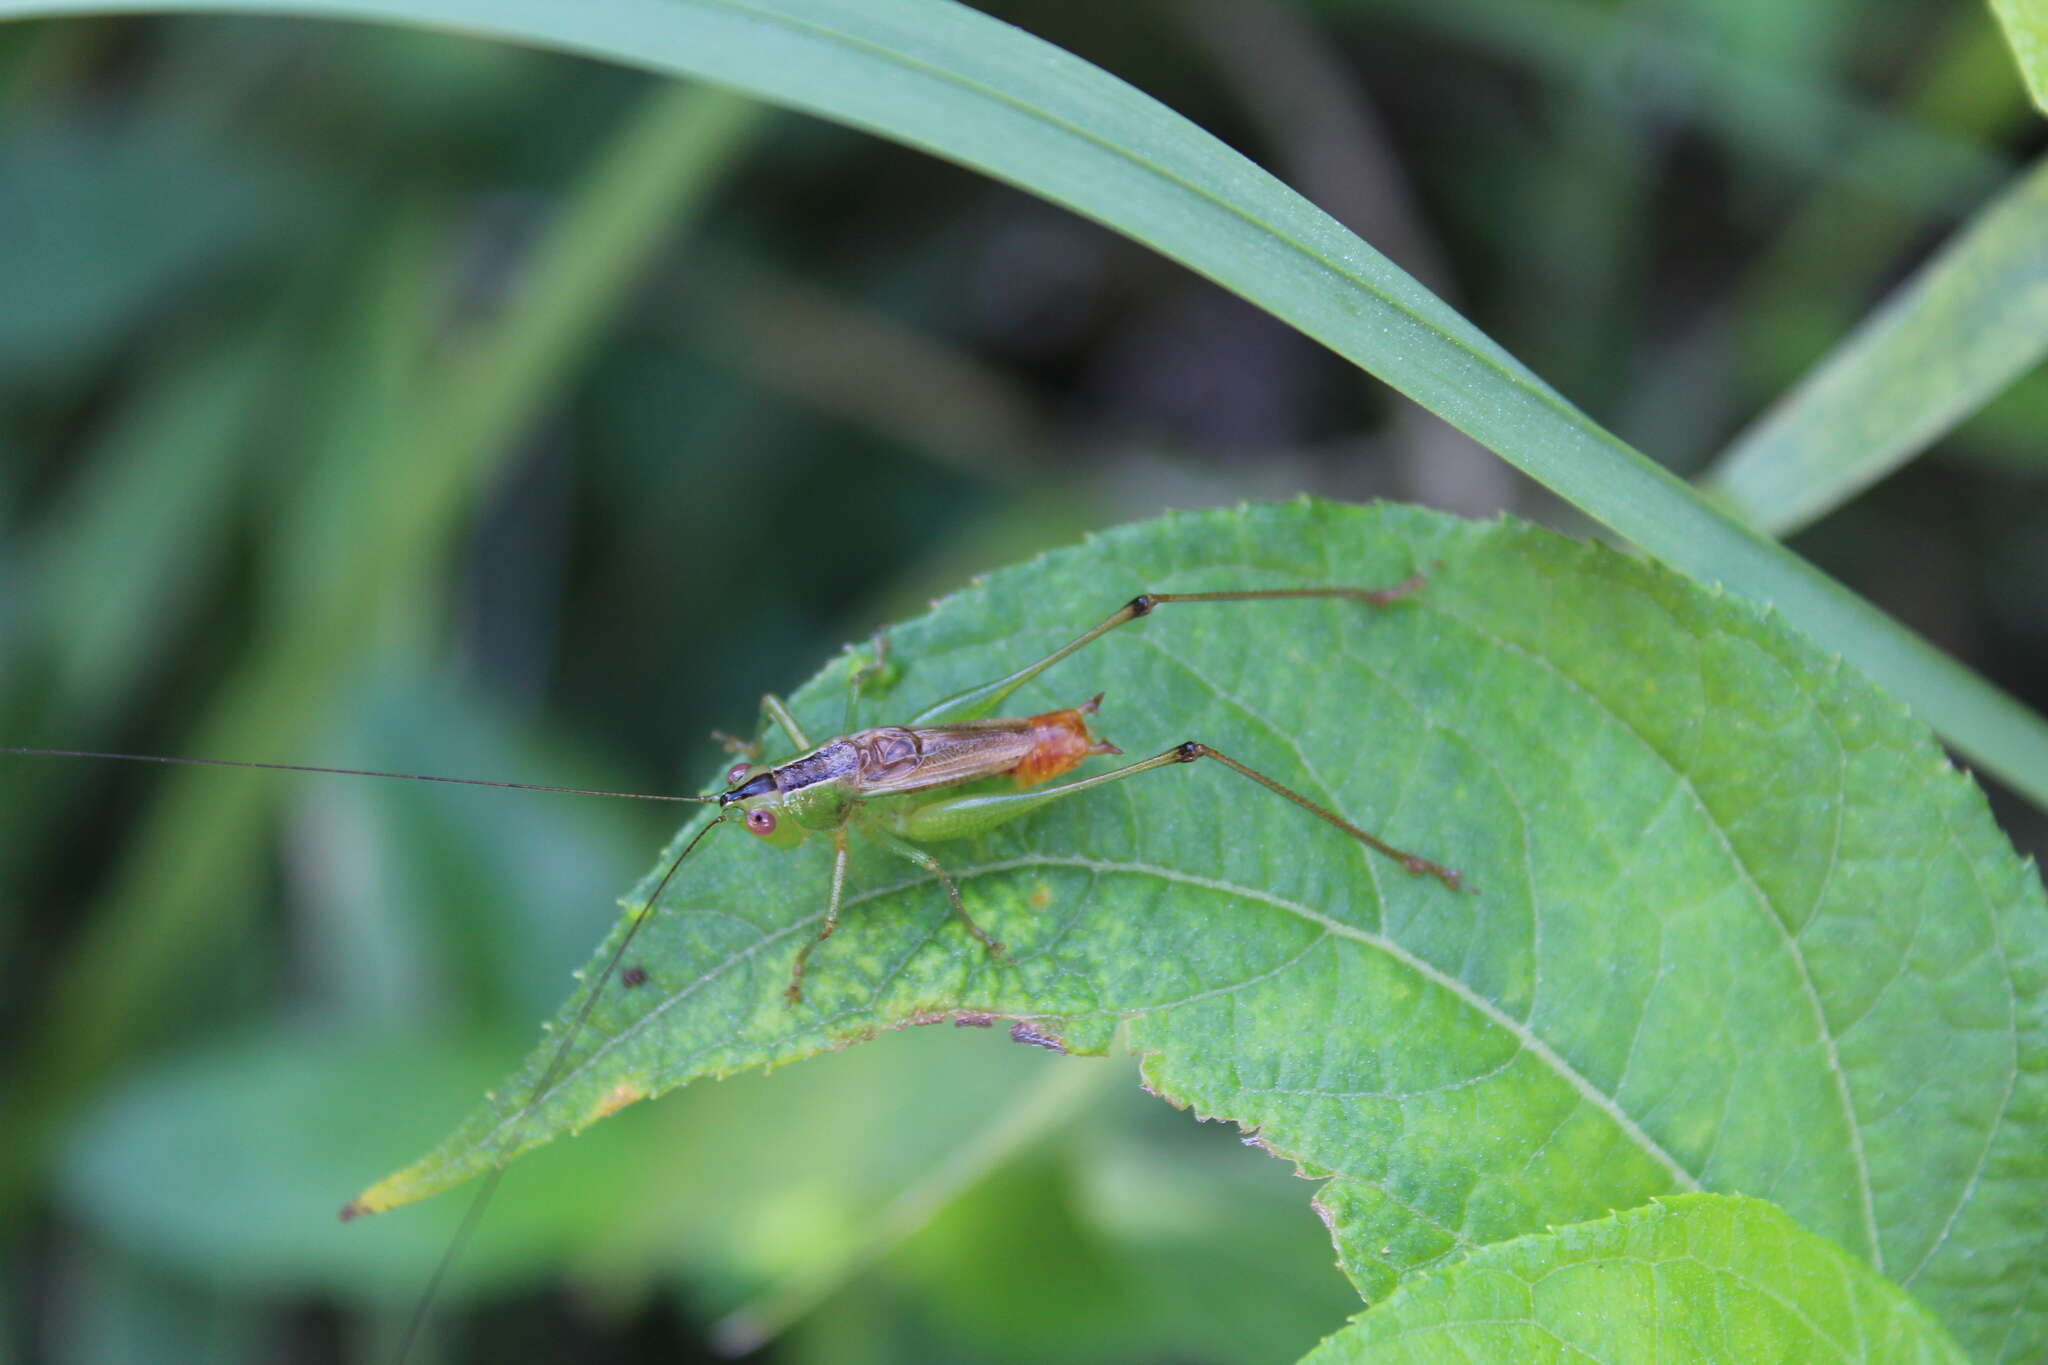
{"type": "Point", "coordinates": [439, 435]}
{"type": "Point", "coordinates": [80, 271]}
{"type": "Point", "coordinates": [1734, 923]}
{"type": "Point", "coordinates": [1695, 1278]}
{"type": "Point", "coordinates": [351, 360]}
{"type": "Point", "coordinates": [948, 80]}
{"type": "Point", "coordinates": [729, 1190]}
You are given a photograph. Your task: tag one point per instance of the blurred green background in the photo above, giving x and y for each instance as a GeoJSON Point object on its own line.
{"type": "Point", "coordinates": [378, 398]}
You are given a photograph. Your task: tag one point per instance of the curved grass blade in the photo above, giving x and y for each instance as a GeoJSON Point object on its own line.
{"type": "Point", "coordinates": [1966, 325]}
{"type": "Point", "coordinates": [953, 82]}
{"type": "Point", "coordinates": [2026, 28]}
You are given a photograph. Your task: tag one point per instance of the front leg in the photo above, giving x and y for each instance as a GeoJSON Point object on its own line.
{"type": "Point", "coordinates": [861, 673]}
{"type": "Point", "coordinates": [749, 749]}
{"type": "Point", "coordinates": [772, 706]}
{"type": "Point", "coordinates": [754, 750]}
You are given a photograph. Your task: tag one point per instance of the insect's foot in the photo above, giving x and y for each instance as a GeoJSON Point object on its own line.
{"type": "Point", "coordinates": [1379, 597]}
{"type": "Point", "coordinates": [745, 748]}
{"type": "Point", "coordinates": [992, 947]}
{"type": "Point", "coordinates": [1417, 867]}
{"type": "Point", "coordinates": [875, 671]}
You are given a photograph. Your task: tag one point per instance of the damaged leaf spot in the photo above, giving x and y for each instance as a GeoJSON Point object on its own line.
{"type": "Point", "coordinates": [1021, 1032]}
{"type": "Point", "coordinates": [615, 1099]}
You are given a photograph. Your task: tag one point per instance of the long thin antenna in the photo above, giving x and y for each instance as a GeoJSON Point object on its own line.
{"type": "Point", "coordinates": [346, 772]}
{"type": "Point", "coordinates": [489, 1188]}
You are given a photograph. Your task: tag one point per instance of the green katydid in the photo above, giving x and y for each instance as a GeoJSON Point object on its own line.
{"type": "Point", "coordinates": [952, 770]}
{"type": "Point", "coordinates": [929, 779]}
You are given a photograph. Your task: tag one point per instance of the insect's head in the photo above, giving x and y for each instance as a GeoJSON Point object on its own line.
{"type": "Point", "coordinates": [761, 802]}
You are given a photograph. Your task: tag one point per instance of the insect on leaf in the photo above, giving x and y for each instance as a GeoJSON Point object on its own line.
{"type": "Point", "coordinates": [1731, 921]}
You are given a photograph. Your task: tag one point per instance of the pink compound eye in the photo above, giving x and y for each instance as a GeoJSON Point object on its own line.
{"type": "Point", "coordinates": [737, 773]}
{"type": "Point", "coordinates": [761, 821]}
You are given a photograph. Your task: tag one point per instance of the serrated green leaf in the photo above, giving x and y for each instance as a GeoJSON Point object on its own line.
{"type": "Point", "coordinates": [2026, 27]}
{"type": "Point", "coordinates": [1969, 323]}
{"type": "Point", "coordinates": [1734, 921]}
{"type": "Point", "coordinates": [1696, 1278]}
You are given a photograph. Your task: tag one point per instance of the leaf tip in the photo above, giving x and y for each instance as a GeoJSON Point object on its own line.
{"type": "Point", "coordinates": [398, 1189]}
{"type": "Point", "coordinates": [379, 1198]}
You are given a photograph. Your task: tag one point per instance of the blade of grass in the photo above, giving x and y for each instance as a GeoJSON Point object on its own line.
{"type": "Point", "coordinates": [1812, 283]}
{"type": "Point", "coordinates": [160, 909]}
{"type": "Point", "coordinates": [2026, 27]}
{"type": "Point", "coordinates": [960, 85]}
{"type": "Point", "coordinates": [874, 372]}
{"type": "Point", "coordinates": [1967, 324]}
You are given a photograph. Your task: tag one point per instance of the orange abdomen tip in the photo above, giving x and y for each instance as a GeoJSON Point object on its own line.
{"type": "Point", "coordinates": [1059, 741]}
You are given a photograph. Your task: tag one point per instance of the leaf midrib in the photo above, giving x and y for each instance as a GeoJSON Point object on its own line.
{"type": "Point", "coordinates": [1508, 370]}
